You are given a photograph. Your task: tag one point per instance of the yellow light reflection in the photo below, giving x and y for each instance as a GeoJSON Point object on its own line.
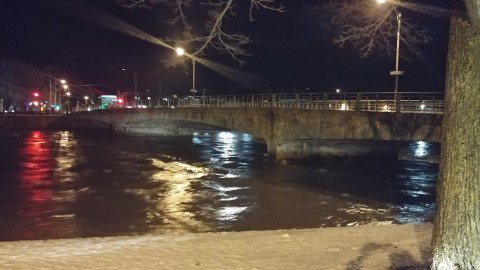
{"type": "Point", "coordinates": [178, 177]}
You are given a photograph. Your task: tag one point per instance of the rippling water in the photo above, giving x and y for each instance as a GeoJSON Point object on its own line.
{"type": "Point", "coordinates": [62, 185]}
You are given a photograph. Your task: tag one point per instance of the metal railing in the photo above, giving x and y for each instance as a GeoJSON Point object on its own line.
{"type": "Point", "coordinates": [421, 102]}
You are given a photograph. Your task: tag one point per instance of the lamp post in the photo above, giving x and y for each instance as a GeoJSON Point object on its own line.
{"type": "Point", "coordinates": [180, 52]}
{"type": "Point", "coordinates": [134, 72]}
{"type": "Point", "coordinates": [396, 72]}
{"type": "Point", "coordinates": [65, 87]}
{"type": "Point", "coordinates": [68, 94]}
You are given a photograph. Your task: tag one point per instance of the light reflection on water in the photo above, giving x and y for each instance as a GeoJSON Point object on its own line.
{"type": "Point", "coordinates": [61, 184]}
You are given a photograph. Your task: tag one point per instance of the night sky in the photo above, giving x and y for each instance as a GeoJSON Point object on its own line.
{"type": "Point", "coordinates": [290, 51]}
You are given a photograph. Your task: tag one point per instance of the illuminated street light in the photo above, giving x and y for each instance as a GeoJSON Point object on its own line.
{"type": "Point", "coordinates": [338, 90]}
{"type": "Point", "coordinates": [63, 81]}
{"type": "Point", "coordinates": [381, 1]}
{"type": "Point", "coordinates": [65, 86]}
{"type": "Point", "coordinates": [180, 52]}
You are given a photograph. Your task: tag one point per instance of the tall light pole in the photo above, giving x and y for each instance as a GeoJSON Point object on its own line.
{"type": "Point", "coordinates": [180, 52]}
{"type": "Point", "coordinates": [134, 72]}
{"type": "Point", "coordinates": [396, 72]}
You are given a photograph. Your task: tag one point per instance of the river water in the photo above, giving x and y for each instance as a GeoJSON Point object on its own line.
{"type": "Point", "coordinates": [64, 185]}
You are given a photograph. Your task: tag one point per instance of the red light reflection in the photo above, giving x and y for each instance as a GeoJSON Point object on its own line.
{"type": "Point", "coordinates": [36, 168]}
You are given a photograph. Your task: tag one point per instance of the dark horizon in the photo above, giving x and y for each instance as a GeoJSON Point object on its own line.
{"type": "Point", "coordinates": [291, 51]}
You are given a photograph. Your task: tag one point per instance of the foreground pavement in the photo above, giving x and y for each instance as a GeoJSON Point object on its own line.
{"type": "Point", "coordinates": [369, 247]}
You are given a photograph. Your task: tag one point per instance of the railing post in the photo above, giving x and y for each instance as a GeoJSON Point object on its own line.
{"type": "Point", "coordinates": [325, 100]}
{"type": "Point", "coordinates": [397, 102]}
{"type": "Point", "coordinates": [358, 102]}
{"type": "Point", "coordinates": [273, 101]}
{"type": "Point", "coordinates": [376, 102]}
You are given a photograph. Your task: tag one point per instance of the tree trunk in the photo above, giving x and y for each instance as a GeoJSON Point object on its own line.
{"type": "Point", "coordinates": [456, 238]}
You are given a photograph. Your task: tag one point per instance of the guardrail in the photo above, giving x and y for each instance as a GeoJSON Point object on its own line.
{"type": "Point", "coordinates": [419, 102]}
{"type": "Point", "coordinates": [422, 102]}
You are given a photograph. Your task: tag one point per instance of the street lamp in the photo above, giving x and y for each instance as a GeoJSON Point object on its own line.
{"type": "Point", "coordinates": [134, 72]}
{"type": "Point", "coordinates": [396, 72]}
{"type": "Point", "coordinates": [65, 87]}
{"type": "Point", "coordinates": [180, 52]}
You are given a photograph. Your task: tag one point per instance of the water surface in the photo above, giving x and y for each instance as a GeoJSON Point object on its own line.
{"type": "Point", "coordinates": [63, 185]}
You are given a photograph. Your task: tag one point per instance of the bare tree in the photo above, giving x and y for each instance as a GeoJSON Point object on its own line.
{"type": "Point", "coordinates": [212, 33]}
{"type": "Point", "coordinates": [369, 26]}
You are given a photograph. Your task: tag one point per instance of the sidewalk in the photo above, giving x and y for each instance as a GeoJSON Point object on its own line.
{"type": "Point", "coordinates": [369, 247]}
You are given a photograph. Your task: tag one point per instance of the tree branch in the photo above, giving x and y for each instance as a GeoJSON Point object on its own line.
{"type": "Point", "coordinates": [212, 34]}
{"type": "Point", "coordinates": [369, 27]}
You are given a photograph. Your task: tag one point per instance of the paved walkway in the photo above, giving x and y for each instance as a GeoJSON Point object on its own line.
{"type": "Point", "coordinates": [370, 247]}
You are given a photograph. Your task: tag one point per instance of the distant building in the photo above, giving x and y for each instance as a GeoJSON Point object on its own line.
{"type": "Point", "coordinates": [108, 101]}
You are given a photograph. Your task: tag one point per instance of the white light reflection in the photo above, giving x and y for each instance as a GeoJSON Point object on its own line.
{"type": "Point", "coordinates": [421, 149]}
{"type": "Point", "coordinates": [229, 213]}
{"type": "Point", "coordinates": [246, 137]}
{"type": "Point", "coordinates": [226, 152]}
{"type": "Point", "coordinates": [227, 146]}
{"type": "Point", "coordinates": [226, 137]}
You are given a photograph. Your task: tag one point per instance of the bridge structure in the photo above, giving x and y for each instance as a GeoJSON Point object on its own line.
{"type": "Point", "coordinates": [293, 126]}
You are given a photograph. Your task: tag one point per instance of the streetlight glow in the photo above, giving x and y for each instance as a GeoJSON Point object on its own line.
{"type": "Point", "coordinates": [381, 1]}
{"type": "Point", "coordinates": [180, 51]}
{"type": "Point", "coordinates": [63, 81]}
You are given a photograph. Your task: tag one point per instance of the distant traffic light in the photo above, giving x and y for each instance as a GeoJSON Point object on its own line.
{"type": "Point", "coordinates": [36, 94]}
{"type": "Point", "coordinates": [120, 100]}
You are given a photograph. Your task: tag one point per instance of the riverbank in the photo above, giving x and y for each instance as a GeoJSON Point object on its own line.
{"type": "Point", "coordinates": [30, 122]}
{"type": "Point", "coordinates": [367, 247]}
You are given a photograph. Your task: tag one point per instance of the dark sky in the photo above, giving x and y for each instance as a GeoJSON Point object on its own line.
{"type": "Point", "coordinates": [291, 50]}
